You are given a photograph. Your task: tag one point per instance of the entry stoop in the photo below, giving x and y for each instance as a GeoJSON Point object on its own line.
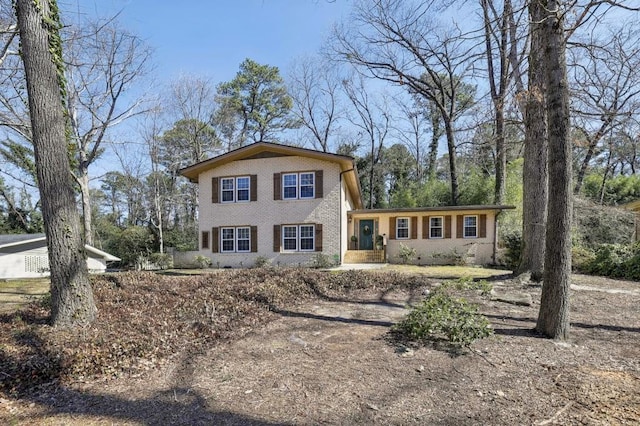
{"type": "Point", "coordinates": [364, 256]}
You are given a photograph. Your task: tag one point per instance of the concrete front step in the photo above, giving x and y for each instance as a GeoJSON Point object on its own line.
{"type": "Point", "coordinates": [364, 256]}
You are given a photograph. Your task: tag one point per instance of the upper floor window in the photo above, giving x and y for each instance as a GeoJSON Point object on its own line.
{"type": "Point", "coordinates": [298, 185]}
{"type": "Point", "coordinates": [436, 227]}
{"type": "Point", "coordinates": [402, 228]}
{"type": "Point", "coordinates": [470, 226]}
{"type": "Point", "coordinates": [235, 189]}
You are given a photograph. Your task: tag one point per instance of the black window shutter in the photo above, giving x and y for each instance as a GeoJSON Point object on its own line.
{"type": "Point", "coordinates": [215, 240]}
{"type": "Point", "coordinates": [215, 190]}
{"type": "Point", "coordinates": [277, 187]}
{"type": "Point", "coordinates": [276, 238]}
{"type": "Point", "coordinates": [254, 187]}
{"type": "Point", "coordinates": [319, 184]}
{"type": "Point", "coordinates": [254, 239]}
{"type": "Point", "coordinates": [318, 237]}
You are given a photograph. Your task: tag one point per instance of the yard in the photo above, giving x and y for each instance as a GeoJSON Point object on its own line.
{"type": "Point", "coordinates": [308, 347]}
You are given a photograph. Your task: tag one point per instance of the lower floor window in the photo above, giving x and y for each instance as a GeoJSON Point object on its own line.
{"type": "Point", "coordinates": [236, 240]}
{"type": "Point", "coordinates": [470, 226]}
{"type": "Point", "coordinates": [298, 237]}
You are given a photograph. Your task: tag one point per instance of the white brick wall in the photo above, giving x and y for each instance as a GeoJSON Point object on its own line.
{"type": "Point", "coordinates": [267, 212]}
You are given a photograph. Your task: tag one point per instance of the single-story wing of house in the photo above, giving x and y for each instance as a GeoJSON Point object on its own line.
{"type": "Point", "coordinates": [26, 256]}
{"type": "Point", "coordinates": [285, 204]}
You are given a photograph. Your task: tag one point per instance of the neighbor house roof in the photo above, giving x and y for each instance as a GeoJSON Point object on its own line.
{"type": "Point", "coordinates": [13, 240]}
{"type": "Point", "coordinates": [268, 150]}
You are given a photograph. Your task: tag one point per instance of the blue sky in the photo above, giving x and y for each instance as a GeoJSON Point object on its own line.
{"type": "Point", "coordinates": [211, 38]}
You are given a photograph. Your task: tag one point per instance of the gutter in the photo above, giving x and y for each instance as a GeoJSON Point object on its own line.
{"type": "Point", "coordinates": [341, 187]}
{"type": "Point", "coordinates": [495, 237]}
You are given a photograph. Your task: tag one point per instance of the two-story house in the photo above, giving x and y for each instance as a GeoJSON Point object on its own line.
{"type": "Point", "coordinates": [287, 204]}
{"type": "Point", "coordinates": [279, 202]}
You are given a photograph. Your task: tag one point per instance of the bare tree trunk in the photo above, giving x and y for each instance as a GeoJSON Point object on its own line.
{"type": "Point", "coordinates": [83, 182]}
{"type": "Point", "coordinates": [593, 143]}
{"type": "Point", "coordinates": [433, 146]}
{"type": "Point", "coordinates": [553, 318]}
{"type": "Point", "coordinates": [535, 172]}
{"type": "Point", "coordinates": [71, 294]}
{"type": "Point", "coordinates": [453, 169]}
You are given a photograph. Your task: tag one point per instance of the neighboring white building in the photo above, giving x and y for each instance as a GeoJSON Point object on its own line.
{"type": "Point", "coordinates": [26, 256]}
{"type": "Point", "coordinates": [287, 204]}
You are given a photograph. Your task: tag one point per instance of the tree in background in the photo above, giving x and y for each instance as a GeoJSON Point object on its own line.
{"type": "Point", "coordinates": [314, 89]}
{"type": "Point", "coordinates": [606, 89]}
{"type": "Point", "coordinates": [400, 42]}
{"type": "Point", "coordinates": [71, 294]}
{"type": "Point", "coordinates": [372, 119]}
{"type": "Point", "coordinates": [254, 106]}
{"type": "Point", "coordinates": [535, 171]}
{"type": "Point", "coordinates": [104, 64]}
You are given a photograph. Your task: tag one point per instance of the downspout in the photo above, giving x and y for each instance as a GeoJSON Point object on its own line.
{"type": "Point", "coordinates": [495, 237]}
{"type": "Point", "coordinates": [341, 173]}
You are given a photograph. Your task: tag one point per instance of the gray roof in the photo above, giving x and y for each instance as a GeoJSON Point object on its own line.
{"type": "Point", "coordinates": [16, 238]}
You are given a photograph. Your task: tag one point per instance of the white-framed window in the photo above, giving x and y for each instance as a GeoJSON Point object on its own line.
{"type": "Point", "coordinates": [307, 240]}
{"type": "Point", "coordinates": [436, 227]}
{"type": "Point", "coordinates": [470, 226]}
{"type": "Point", "coordinates": [307, 185]}
{"type": "Point", "coordinates": [228, 190]}
{"type": "Point", "coordinates": [242, 185]}
{"type": "Point", "coordinates": [298, 237]}
{"type": "Point", "coordinates": [290, 186]}
{"type": "Point", "coordinates": [402, 228]}
{"type": "Point", "coordinates": [298, 185]}
{"type": "Point", "coordinates": [235, 240]}
{"type": "Point", "coordinates": [235, 189]}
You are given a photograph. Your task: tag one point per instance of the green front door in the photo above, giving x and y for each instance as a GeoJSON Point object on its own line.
{"type": "Point", "coordinates": [366, 235]}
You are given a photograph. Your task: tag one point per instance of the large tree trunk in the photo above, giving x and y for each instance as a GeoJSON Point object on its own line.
{"type": "Point", "coordinates": [501, 154]}
{"type": "Point", "coordinates": [553, 319]}
{"type": "Point", "coordinates": [535, 173]}
{"type": "Point", "coordinates": [71, 294]}
{"type": "Point", "coordinates": [453, 169]}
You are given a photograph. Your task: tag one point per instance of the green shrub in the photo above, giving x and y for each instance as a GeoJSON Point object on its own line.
{"type": "Point", "coordinates": [581, 257]}
{"type": "Point", "coordinates": [162, 260]}
{"type": "Point", "coordinates": [443, 316]}
{"type": "Point", "coordinates": [202, 261]}
{"type": "Point", "coordinates": [406, 253]}
{"type": "Point", "coordinates": [261, 262]}
{"type": "Point", "coordinates": [608, 260]}
{"type": "Point", "coordinates": [321, 261]}
{"type": "Point", "coordinates": [616, 261]}
{"type": "Point", "coordinates": [513, 245]}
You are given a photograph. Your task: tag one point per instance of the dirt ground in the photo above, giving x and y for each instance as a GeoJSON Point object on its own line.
{"type": "Point", "coordinates": [336, 362]}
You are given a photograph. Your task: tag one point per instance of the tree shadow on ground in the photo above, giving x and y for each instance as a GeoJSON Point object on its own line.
{"type": "Point", "coordinates": [180, 404]}
{"type": "Point", "coordinates": [174, 406]}
{"type": "Point", "coordinates": [581, 325]}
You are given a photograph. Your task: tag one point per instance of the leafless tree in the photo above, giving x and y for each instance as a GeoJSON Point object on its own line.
{"type": "Point", "coordinates": [412, 129]}
{"type": "Point", "coordinates": [314, 88]}
{"type": "Point", "coordinates": [105, 62]}
{"type": "Point", "coordinates": [500, 27]}
{"type": "Point", "coordinates": [605, 71]}
{"type": "Point", "coordinates": [71, 294]}
{"type": "Point", "coordinates": [373, 120]}
{"type": "Point", "coordinates": [402, 43]}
